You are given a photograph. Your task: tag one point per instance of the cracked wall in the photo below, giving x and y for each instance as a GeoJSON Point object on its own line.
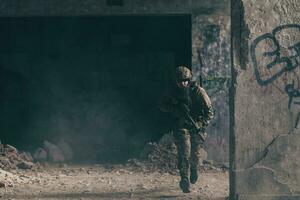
{"type": "Point", "coordinates": [266, 101]}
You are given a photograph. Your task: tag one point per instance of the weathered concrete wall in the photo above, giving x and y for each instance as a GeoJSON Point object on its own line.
{"type": "Point", "coordinates": [211, 45]}
{"type": "Point", "coordinates": [210, 38]}
{"type": "Point", "coordinates": [266, 108]}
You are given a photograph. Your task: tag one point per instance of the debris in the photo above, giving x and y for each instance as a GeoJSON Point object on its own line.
{"type": "Point", "coordinates": [225, 165]}
{"type": "Point", "coordinates": [135, 162]}
{"type": "Point", "coordinates": [63, 165]}
{"type": "Point", "coordinates": [27, 156]}
{"type": "Point", "coordinates": [8, 179]}
{"type": "Point", "coordinates": [5, 163]}
{"type": "Point", "coordinates": [11, 158]}
{"type": "Point", "coordinates": [10, 149]}
{"type": "Point", "coordinates": [162, 157]}
{"type": "Point", "coordinates": [210, 162]}
{"type": "Point", "coordinates": [2, 185]}
{"type": "Point", "coordinates": [25, 165]}
{"type": "Point", "coordinates": [148, 149]}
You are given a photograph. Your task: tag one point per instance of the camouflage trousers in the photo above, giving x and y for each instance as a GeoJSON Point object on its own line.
{"type": "Point", "coordinates": [188, 145]}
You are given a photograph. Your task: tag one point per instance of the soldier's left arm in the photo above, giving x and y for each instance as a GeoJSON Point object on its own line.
{"type": "Point", "coordinates": [207, 110]}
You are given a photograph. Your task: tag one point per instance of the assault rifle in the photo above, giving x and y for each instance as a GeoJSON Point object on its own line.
{"type": "Point", "coordinates": [196, 128]}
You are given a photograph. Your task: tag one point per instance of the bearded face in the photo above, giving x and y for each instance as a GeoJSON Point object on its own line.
{"type": "Point", "coordinates": [183, 92]}
{"type": "Point", "coordinates": [183, 84]}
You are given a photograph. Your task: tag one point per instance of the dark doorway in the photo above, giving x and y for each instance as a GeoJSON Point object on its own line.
{"type": "Point", "coordinates": [94, 81]}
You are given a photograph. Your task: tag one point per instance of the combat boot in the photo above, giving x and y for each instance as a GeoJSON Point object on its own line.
{"type": "Point", "coordinates": [185, 185]}
{"type": "Point", "coordinates": [194, 176]}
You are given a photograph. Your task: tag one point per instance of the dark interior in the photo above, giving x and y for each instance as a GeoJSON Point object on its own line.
{"type": "Point", "coordinates": [93, 81]}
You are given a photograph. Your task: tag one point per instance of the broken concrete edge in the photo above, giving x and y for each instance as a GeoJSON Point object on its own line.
{"type": "Point", "coordinates": [239, 33]}
{"type": "Point", "coordinates": [232, 147]}
{"type": "Point", "coordinates": [232, 92]}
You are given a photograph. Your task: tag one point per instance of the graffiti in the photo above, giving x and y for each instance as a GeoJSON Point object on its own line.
{"type": "Point", "coordinates": [284, 80]}
{"type": "Point", "coordinates": [292, 93]}
{"type": "Point", "coordinates": [276, 63]}
{"type": "Point", "coordinates": [276, 57]}
{"type": "Point", "coordinates": [294, 99]}
{"type": "Point", "coordinates": [276, 53]}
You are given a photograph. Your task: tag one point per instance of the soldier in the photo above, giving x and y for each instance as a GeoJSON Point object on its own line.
{"type": "Point", "coordinates": [190, 107]}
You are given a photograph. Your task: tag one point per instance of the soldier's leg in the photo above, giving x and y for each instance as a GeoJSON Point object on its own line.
{"type": "Point", "coordinates": [196, 145]}
{"type": "Point", "coordinates": [182, 140]}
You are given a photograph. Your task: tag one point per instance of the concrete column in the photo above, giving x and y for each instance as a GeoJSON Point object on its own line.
{"type": "Point", "coordinates": [265, 134]}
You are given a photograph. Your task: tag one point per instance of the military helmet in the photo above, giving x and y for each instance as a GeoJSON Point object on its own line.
{"type": "Point", "coordinates": [182, 73]}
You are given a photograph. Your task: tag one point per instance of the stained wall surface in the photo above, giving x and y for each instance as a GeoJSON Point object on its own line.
{"type": "Point", "coordinates": [266, 100]}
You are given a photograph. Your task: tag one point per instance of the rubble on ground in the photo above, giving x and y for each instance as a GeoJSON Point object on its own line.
{"type": "Point", "coordinates": [162, 156]}
{"type": "Point", "coordinates": [7, 179]}
{"type": "Point", "coordinates": [11, 158]}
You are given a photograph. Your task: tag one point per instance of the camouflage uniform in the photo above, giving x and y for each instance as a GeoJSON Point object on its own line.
{"type": "Point", "coordinates": [198, 105]}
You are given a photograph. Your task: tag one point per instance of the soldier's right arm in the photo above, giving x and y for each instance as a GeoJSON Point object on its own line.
{"type": "Point", "coordinates": [167, 103]}
{"type": "Point", "coordinates": [171, 105]}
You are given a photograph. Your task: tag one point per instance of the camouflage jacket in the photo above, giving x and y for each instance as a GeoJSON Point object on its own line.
{"type": "Point", "coordinates": [199, 106]}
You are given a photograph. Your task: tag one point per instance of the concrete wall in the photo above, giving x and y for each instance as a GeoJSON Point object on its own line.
{"type": "Point", "coordinates": [211, 45]}
{"type": "Point", "coordinates": [266, 89]}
